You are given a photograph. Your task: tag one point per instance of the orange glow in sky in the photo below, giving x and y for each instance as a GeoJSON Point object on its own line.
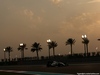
{"type": "Point", "coordinates": [30, 21]}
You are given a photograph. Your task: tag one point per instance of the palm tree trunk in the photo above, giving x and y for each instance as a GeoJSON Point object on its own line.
{"type": "Point", "coordinates": [22, 53]}
{"type": "Point", "coordinates": [49, 53]}
{"type": "Point", "coordinates": [9, 56]}
{"type": "Point", "coordinates": [53, 51]}
{"type": "Point", "coordinates": [71, 50]}
{"type": "Point", "coordinates": [87, 49]}
{"type": "Point", "coordinates": [4, 56]}
{"type": "Point", "coordinates": [37, 55]}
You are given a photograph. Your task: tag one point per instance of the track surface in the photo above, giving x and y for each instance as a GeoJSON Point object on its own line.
{"type": "Point", "coordinates": [71, 69]}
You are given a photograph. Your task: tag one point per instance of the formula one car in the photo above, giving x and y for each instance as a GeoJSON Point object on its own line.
{"type": "Point", "coordinates": [56, 64]}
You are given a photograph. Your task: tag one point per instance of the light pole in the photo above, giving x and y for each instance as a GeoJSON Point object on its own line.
{"type": "Point", "coordinates": [84, 37]}
{"type": "Point", "coordinates": [49, 46]}
{"type": "Point", "coordinates": [4, 54]}
{"type": "Point", "coordinates": [22, 46]}
{"type": "Point", "coordinates": [85, 42]}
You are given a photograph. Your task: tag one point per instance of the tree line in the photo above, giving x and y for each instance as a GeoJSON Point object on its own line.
{"type": "Point", "coordinates": [36, 47]}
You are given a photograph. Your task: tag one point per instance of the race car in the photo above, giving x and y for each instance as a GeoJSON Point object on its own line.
{"type": "Point", "coordinates": [56, 64]}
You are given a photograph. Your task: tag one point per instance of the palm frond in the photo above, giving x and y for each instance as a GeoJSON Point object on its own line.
{"type": "Point", "coordinates": [70, 41]}
{"type": "Point", "coordinates": [85, 41]}
{"type": "Point", "coordinates": [8, 49]}
{"type": "Point", "coordinates": [36, 47]}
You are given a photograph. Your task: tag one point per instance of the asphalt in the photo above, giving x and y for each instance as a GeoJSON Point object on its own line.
{"type": "Point", "coordinates": [33, 73]}
{"type": "Point", "coordinates": [71, 69]}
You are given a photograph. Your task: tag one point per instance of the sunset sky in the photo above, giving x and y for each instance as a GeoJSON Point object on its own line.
{"type": "Point", "coordinates": [29, 21]}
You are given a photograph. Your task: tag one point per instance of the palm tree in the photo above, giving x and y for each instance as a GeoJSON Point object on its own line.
{"type": "Point", "coordinates": [84, 48]}
{"type": "Point", "coordinates": [53, 45]}
{"type": "Point", "coordinates": [85, 42]}
{"type": "Point", "coordinates": [70, 42]}
{"type": "Point", "coordinates": [49, 46]}
{"type": "Point", "coordinates": [36, 47]}
{"type": "Point", "coordinates": [22, 47]}
{"type": "Point", "coordinates": [8, 49]}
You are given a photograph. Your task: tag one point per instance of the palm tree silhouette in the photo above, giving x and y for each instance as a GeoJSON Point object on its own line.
{"type": "Point", "coordinates": [85, 42]}
{"type": "Point", "coordinates": [70, 42]}
{"type": "Point", "coordinates": [22, 47]}
{"type": "Point", "coordinates": [36, 47]}
{"type": "Point", "coordinates": [53, 44]}
{"type": "Point", "coordinates": [49, 46]}
{"type": "Point", "coordinates": [8, 49]}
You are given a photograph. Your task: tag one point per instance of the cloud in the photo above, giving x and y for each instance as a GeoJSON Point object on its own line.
{"type": "Point", "coordinates": [43, 11]}
{"type": "Point", "coordinates": [39, 19]}
{"type": "Point", "coordinates": [28, 13]}
{"type": "Point", "coordinates": [87, 23]}
{"type": "Point", "coordinates": [94, 1]}
{"type": "Point", "coordinates": [56, 1]}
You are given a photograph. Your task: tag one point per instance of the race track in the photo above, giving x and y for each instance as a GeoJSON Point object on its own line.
{"type": "Point", "coordinates": [71, 69]}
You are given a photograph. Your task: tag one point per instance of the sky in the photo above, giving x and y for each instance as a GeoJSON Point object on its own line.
{"type": "Point", "coordinates": [29, 21]}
